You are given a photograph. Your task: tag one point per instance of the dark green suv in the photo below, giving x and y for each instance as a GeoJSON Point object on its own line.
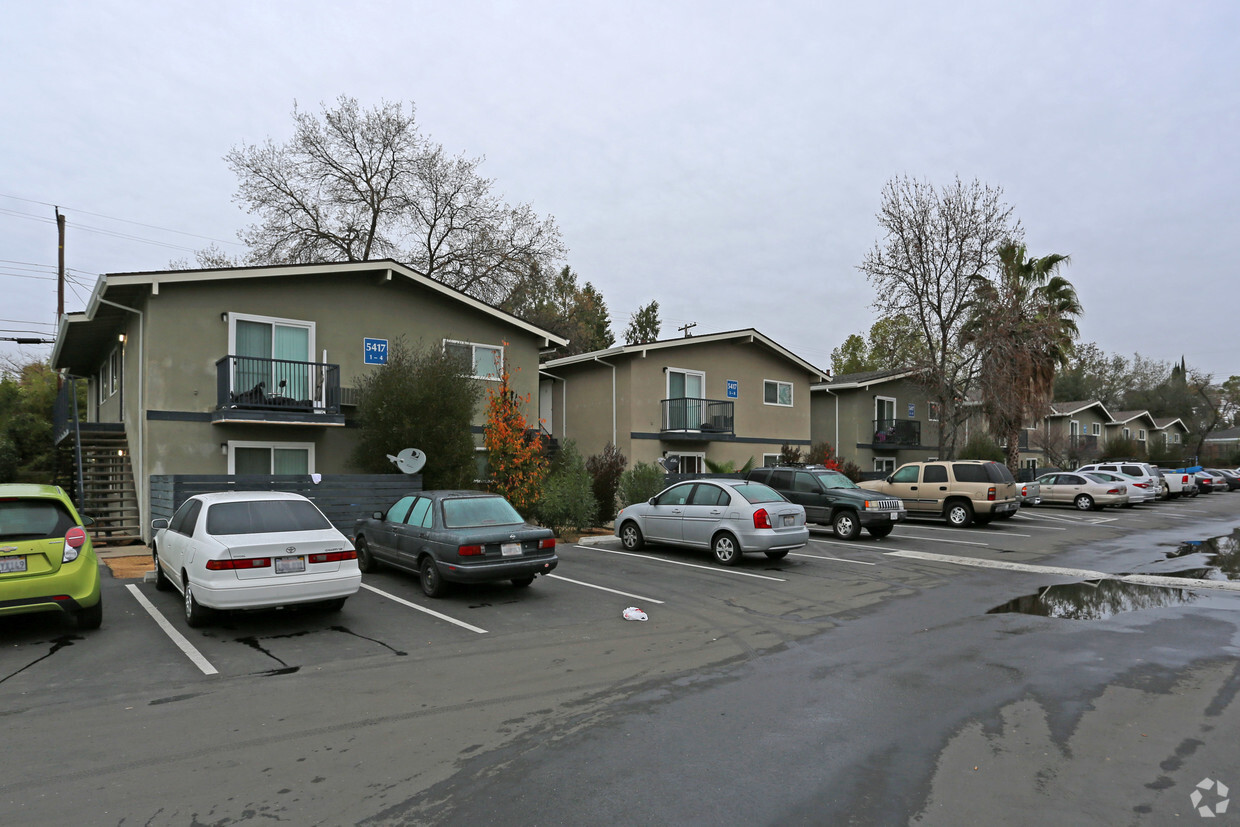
{"type": "Point", "coordinates": [830, 498]}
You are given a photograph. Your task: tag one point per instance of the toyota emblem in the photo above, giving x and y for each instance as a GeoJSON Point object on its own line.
{"type": "Point", "coordinates": [290, 549]}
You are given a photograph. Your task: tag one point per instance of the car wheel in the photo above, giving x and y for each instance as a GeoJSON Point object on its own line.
{"type": "Point", "coordinates": [959, 514]}
{"type": "Point", "coordinates": [162, 583]}
{"type": "Point", "coordinates": [522, 582]}
{"type": "Point", "coordinates": [366, 561]}
{"type": "Point", "coordinates": [879, 531]}
{"type": "Point", "coordinates": [846, 525]}
{"type": "Point", "coordinates": [777, 555]}
{"type": "Point", "coordinates": [432, 580]}
{"type": "Point", "coordinates": [333, 605]}
{"type": "Point", "coordinates": [631, 537]}
{"type": "Point", "coordinates": [90, 618]}
{"type": "Point", "coordinates": [1084, 502]}
{"type": "Point", "coordinates": [196, 615]}
{"type": "Point", "coordinates": [726, 549]}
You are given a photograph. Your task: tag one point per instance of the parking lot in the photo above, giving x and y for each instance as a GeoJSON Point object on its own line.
{"type": "Point", "coordinates": [473, 670]}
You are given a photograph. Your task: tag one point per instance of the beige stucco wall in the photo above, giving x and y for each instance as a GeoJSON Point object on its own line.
{"type": "Point", "coordinates": [845, 418]}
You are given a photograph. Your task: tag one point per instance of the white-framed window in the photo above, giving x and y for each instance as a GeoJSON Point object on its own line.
{"type": "Point", "coordinates": [694, 463]}
{"type": "Point", "coordinates": [109, 375]}
{"type": "Point", "coordinates": [1126, 433]}
{"type": "Point", "coordinates": [270, 457]}
{"type": "Point", "coordinates": [770, 460]}
{"type": "Point", "coordinates": [884, 465]}
{"type": "Point", "coordinates": [775, 392]}
{"type": "Point", "coordinates": [1032, 463]}
{"type": "Point", "coordinates": [932, 411]}
{"type": "Point", "coordinates": [1141, 435]}
{"type": "Point", "coordinates": [482, 464]}
{"type": "Point", "coordinates": [685, 392]}
{"type": "Point", "coordinates": [1175, 437]}
{"type": "Point", "coordinates": [1096, 428]}
{"type": "Point", "coordinates": [486, 361]}
{"type": "Point", "coordinates": [272, 355]}
{"type": "Point", "coordinates": [115, 373]}
{"type": "Point", "coordinates": [884, 410]}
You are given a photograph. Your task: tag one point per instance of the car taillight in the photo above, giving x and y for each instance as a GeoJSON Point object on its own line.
{"type": "Point", "coordinates": [990, 494]}
{"type": "Point", "coordinates": [75, 538]}
{"type": "Point", "coordinates": [1113, 491]}
{"type": "Point", "coordinates": [761, 519]}
{"type": "Point", "coordinates": [1141, 484]}
{"type": "Point", "coordinates": [469, 551]}
{"type": "Point", "coordinates": [333, 556]}
{"type": "Point", "coordinates": [1024, 491]}
{"type": "Point", "coordinates": [547, 542]}
{"type": "Point", "coordinates": [1185, 480]}
{"type": "Point", "coordinates": [240, 563]}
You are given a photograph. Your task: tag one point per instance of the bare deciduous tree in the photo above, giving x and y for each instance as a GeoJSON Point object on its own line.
{"type": "Point", "coordinates": [934, 241]}
{"type": "Point", "coordinates": [354, 185]}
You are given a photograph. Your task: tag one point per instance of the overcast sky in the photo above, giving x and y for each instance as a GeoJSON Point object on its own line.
{"type": "Point", "coordinates": [726, 159]}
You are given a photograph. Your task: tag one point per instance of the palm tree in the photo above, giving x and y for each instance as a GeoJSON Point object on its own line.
{"type": "Point", "coordinates": [1023, 323]}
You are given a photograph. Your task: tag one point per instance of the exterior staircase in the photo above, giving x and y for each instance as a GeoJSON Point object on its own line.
{"type": "Point", "coordinates": [108, 491]}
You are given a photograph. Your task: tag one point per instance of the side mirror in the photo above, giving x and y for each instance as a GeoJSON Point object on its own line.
{"type": "Point", "coordinates": [156, 525]}
{"type": "Point", "coordinates": [651, 501]}
{"type": "Point", "coordinates": [378, 515]}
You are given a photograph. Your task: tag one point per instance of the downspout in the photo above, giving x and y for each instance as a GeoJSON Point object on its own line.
{"type": "Point", "coordinates": [613, 399]}
{"type": "Point", "coordinates": [140, 472]}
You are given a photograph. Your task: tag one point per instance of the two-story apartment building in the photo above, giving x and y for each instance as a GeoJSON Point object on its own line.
{"type": "Point", "coordinates": [254, 370]}
{"type": "Point", "coordinates": [726, 397]}
{"type": "Point", "coordinates": [877, 419]}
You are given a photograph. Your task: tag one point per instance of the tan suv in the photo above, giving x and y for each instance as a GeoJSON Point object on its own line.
{"type": "Point", "coordinates": [961, 491]}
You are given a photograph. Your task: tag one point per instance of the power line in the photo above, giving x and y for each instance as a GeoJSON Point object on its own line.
{"type": "Point", "coordinates": [122, 220]}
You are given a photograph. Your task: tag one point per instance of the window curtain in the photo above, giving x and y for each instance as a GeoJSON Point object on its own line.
{"type": "Point", "coordinates": [254, 354]}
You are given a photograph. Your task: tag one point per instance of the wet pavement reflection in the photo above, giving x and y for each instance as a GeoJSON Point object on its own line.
{"type": "Point", "coordinates": [1095, 600]}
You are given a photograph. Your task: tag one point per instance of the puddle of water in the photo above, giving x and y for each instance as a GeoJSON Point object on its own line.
{"type": "Point", "coordinates": [1095, 600]}
{"type": "Point", "coordinates": [1220, 556]}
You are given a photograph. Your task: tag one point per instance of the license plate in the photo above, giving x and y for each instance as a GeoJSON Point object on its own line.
{"type": "Point", "coordinates": [510, 549]}
{"type": "Point", "coordinates": [895, 515]}
{"type": "Point", "coordinates": [289, 565]}
{"type": "Point", "coordinates": [787, 519]}
{"type": "Point", "coordinates": [12, 564]}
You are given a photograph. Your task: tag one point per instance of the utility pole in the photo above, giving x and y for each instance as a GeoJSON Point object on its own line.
{"type": "Point", "coordinates": [685, 328]}
{"type": "Point", "coordinates": [60, 269]}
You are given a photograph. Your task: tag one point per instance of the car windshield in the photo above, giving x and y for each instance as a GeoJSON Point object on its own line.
{"type": "Point", "coordinates": [756, 492]}
{"type": "Point", "coordinates": [472, 512]}
{"type": "Point", "coordinates": [33, 520]}
{"type": "Point", "coordinates": [834, 479]}
{"type": "Point", "coordinates": [264, 517]}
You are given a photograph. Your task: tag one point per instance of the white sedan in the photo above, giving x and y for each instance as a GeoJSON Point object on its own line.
{"type": "Point", "coordinates": [252, 550]}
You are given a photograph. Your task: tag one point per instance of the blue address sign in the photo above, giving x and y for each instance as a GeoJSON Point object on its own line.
{"type": "Point", "coordinates": [376, 351]}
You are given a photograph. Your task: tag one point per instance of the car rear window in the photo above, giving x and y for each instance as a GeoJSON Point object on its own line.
{"type": "Point", "coordinates": [32, 519]}
{"type": "Point", "coordinates": [473, 512]}
{"type": "Point", "coordinates": [970, 473]}
{"type": "Point", "coordinates": [756, 492]}
{"type": "Point", "coordinates": [998, 472]}
{"type": "Point", "coordinates": [264, 517]}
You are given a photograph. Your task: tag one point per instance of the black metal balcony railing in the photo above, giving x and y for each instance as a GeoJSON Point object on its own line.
{"type": "Point", "coordinates": [704, 415]}
{"type": "Point", "coordinates": [254, 383]}
{"type": "Point", "coordinates": [892, 432]}
{"type": "Point", "coordinates": [1083, 442]}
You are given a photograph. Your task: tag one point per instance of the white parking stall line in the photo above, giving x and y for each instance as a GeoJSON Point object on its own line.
{"type": "Point", "coordinates": [179, 639]}
{"type": "Point", "coordinates": [713, 569]}
{"type": "Point", "coordinates": [942, 539]}
{"type": "Point", "coordinates": [605, 589]}
{"type": "Point", "coordinates": [1084, 574]}
{"type": "Point", "coordinates": [1024, 519]}
{"type": "Point", "coordinates": [1006, 533]}
{"type": "Point", "coordinates": [836, 559]}
{"type": "Point", "coordinates": [846, 544]}
{"type": "Point", "coordinates": [430, 612]}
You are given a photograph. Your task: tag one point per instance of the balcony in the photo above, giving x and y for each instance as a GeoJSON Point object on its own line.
{"type": "Point", "coordinates": [697, 418]}
{"type": "Point", "coordinates": [896, 433]}
{"type": "Point", "coordinates": [1082, 442]}
{"type": "Point", "coordinates": [255, 389]}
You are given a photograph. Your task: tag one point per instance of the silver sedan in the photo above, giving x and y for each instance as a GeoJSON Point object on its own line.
{"type": "Point", "coordinates": [729, 517]}
{"type": "Point", "coordinates": [1085, 491]}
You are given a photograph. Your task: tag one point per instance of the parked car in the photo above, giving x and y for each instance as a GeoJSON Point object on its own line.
{"type": "Point", "coordinates": [962, 492]}
{"type": "Point", "coordinates": [1086, 492]}
{"type": "Point", "coordinates": [450, 537]}
{"type": "Point", "coordinates": [47, 561]}
{"type": "Point", "coordinates": [1145, 476]}
{"type": "Point", "coordinates": [830, 498]}
{"type": "Point", "coordinates": [1030, 493]}
{"type": "Point", "coordinates": [1209, 481]}
{"type": "Point", "coordinates": [729, 517]}
{"type": "Point", "coordinates": [1137, 494]}
{"type": "Point", "coordinates": [1231, 478]}
{"type": "Point", "coordinates": [1178, 483]}
{"type": "Point", "coordinates": [252, 550]}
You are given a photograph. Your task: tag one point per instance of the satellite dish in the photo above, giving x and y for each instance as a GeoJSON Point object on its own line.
{"type": "Point", "coordinates": [410, 460]}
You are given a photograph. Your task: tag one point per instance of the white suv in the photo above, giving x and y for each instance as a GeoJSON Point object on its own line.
{"type": "Point", "coordinates": [1146, 476]}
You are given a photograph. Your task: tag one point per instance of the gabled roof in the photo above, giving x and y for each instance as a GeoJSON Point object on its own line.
{"type": "Point", "coordinates": [1070, 408]}
{"type": "Point", "coordinates": [748, 335]}
{"type": "Point", "coordinates": [94, 329]}
{"type": "Point", "coordinates": [1124, 417]}
{"type": "Point", "coordinates": [849, 381]}
{"type": "Point", "coordinates": [1228, 435]}
{"type": "Point", "coordinates": [1166, 422]}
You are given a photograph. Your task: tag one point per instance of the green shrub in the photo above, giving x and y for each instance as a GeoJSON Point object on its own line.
{"type": "Point", "coordinates": [605, 470]}
{"type": "Point", "coordinates": [981, 446]}
{"type": "Point", "coordinates": [728, 467]}
{"type": "Point", "coordinates": [640, 483]}
{"type": "Point", "coordinates": [567, 500]}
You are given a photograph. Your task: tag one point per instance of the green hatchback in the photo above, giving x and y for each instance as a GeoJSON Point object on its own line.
{"type": "Point", "coordinates": [47, 562]}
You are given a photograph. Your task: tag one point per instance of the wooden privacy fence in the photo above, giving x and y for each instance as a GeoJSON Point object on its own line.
{"type": "Point", "coordinates": [341, 497]}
